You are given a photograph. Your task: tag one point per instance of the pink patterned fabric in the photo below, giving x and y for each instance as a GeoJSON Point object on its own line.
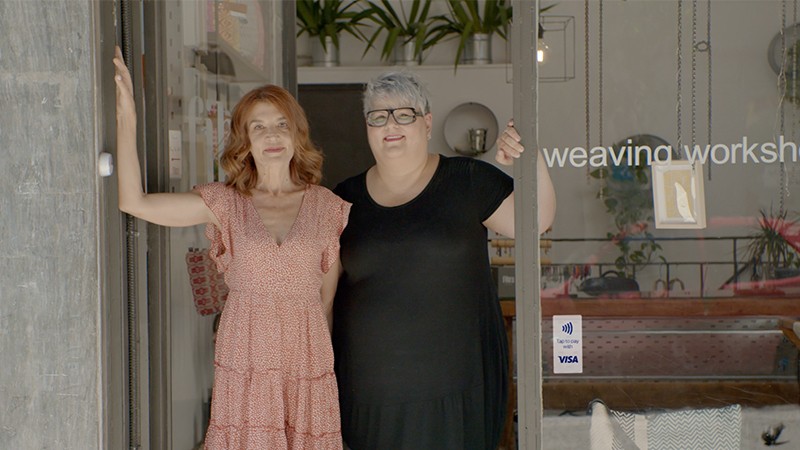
{"type": "Point", "coordinates": [208, 286]}
{"type": "Point", "coordinates": [274, 386]}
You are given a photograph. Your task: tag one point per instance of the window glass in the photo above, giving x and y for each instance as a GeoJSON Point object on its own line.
{"type": "Point", "coordinates": [671, 276]}
{"type": "Point", "coordinates": [216, 51]}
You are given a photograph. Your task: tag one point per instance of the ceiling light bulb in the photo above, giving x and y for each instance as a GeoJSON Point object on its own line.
{"type": "Point", "coordinates": [541, 51]}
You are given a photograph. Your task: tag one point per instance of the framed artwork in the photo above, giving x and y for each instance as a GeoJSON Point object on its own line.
{"type": "Point", "coordinates": [678, 197]}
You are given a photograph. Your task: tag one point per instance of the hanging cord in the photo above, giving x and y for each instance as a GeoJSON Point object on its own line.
{"type": "Point", "coordinates": [694, 76]}
{"type": "Point", "coordinates": [795, 46]}
{"type": "Point", "coordinates": [586, 81]}
{"type": "Point", "coordinates": [679, 69]}
{"type": "Point", "coordinates": [795, 49]}
{"type": "Point", "coordinates": [708, 49]}
{"type": "Point", "coordinates": [600, 73]}
{"type": "Point", "coordinates": [782, 189]}
{"type": "Point", "coordinates": [600, 91]}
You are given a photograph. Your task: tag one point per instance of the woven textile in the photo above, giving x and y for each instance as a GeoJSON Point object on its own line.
{"type": "Point", "coordinates": [209, 290]}
{"type": "Point", "coordinates": [712, 428]}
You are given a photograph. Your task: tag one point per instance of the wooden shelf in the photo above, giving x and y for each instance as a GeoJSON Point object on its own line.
{"type": "Point", "coordinates": [575, 395]}
{"type": "Point", "coordinates": [624, 393]}
{"type": "Point", "coordinates": [666, 307]}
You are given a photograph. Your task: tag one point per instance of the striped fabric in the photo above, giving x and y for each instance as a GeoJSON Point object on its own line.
{"type": "Point", "coordinates": [687, 429]}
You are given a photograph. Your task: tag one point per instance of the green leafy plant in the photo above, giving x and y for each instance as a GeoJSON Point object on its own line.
{"type": "Point", "coordinates": [328, 18]}
{"type": "Point", "coordinates": [466, 19]}
{"type": "Point", "coordinates": [768, 248]}
{"type": "Point", "coordinates": [400, 26]}
{"type": "Point", "coordinates": [626, 195]}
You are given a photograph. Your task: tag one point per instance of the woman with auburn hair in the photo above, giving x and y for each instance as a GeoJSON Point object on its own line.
{"type": "Point", "coordinates": [306, 165]}
{"type": "Point", "coordinates": [274, 233]}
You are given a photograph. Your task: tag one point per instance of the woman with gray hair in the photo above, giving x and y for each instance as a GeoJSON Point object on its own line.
{"type": "Point", "coordinates": [420, 348]}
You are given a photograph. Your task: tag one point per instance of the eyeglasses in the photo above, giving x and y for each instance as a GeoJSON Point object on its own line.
{"type": "Point", "coordinates": [402, 116]}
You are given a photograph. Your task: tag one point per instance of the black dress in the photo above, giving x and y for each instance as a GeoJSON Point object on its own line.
{"type": "Point", "coordinates": [419, 343]}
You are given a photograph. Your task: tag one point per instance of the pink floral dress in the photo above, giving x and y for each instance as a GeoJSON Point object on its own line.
{"type": "Point", "coordinates": [274, 386]}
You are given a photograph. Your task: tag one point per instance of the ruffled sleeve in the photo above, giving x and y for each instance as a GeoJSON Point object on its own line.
{"type": "Point", "coordinates": [217, 197]}
{"type": "Point", "coordinates": [336, 221]}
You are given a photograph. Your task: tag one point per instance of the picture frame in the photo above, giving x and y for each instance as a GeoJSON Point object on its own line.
{"type": "Point", "coordinates": [678, 195]}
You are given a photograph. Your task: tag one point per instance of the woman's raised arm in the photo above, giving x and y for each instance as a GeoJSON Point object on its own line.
{"type": "Point", "coordinates": [168, 209]}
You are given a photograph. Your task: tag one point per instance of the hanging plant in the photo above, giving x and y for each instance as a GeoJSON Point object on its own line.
{"type": "Point", "coordinates": [626, 193]}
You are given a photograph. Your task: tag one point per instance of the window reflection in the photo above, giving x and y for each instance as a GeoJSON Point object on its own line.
{"type": "Point", "coordinates": [218, 50]}
{"type": "Point", "coordinates": [677, 312]}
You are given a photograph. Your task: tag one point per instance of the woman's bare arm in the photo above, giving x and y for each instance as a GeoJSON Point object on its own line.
{"type": "Point", "coordinates": [502, 220]}
{"type": "Point", "coordinates": [169, 209]}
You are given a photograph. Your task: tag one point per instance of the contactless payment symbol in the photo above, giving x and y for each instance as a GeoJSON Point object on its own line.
{"type": "Point", "coordinates": [567, 344]}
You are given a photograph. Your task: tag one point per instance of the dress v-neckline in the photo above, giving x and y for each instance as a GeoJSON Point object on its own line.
{"type": "Point", "coordinates": [270, 237]}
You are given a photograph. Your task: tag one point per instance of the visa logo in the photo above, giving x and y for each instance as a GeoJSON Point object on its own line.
{"type": "Point", "coordinates": [568, 359]}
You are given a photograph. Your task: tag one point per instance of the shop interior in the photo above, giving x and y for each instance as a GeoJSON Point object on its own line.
{"type": "Point", "coordinates": [670, 131]}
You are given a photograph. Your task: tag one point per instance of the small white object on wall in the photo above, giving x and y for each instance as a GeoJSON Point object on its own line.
{"type": "Point", "coordinates": [105, 164]}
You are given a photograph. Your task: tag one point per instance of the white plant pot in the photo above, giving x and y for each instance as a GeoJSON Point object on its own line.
{"type": "Point", "coordinates": [324, 56]}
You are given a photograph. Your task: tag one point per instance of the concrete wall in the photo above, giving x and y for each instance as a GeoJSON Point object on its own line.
{"type": "Point", "coordinates": [49, 294]}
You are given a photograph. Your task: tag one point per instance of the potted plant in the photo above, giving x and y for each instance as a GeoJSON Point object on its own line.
{"type": "Point", "coordinates": [323, 21]}
{"type": "Point", "coordinates": [473, 29]}
{"type": "Point", "coordinates": [405, 32]}
{"type": "Point", "coordinates": [769, 252]}
{"type": "Point", "coordinates": [626, 194]}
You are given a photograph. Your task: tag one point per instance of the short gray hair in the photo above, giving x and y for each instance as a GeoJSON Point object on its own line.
{"type": "Point", "coordinates": [403, 85]}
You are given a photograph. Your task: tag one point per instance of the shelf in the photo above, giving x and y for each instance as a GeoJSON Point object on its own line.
{"type": "Point", "coordinates": [628, 389]}
{"type": "Point", "coordinates": [473, 74]}
{"type": "Point", "coordinates": [419, 68]}
{"type": "Point", "coordinates": [683, 307]}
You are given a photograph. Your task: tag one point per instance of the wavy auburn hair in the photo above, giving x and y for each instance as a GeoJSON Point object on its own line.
{"type": "Point", "coordinates": [306, 164]}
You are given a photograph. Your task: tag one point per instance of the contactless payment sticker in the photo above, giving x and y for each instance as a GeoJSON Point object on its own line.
{"type": "Point", "coordinates": [567, 344]}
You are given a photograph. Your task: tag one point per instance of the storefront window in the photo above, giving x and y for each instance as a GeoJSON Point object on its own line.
{"type": "Point", "coordinates": [216, 51]}
{"type": "Point", "coordinates": [670, 279]}
{"type": "Point", "coordinates": [671, 276]}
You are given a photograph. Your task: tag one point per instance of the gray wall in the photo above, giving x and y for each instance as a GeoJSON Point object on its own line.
{"type": "Point", "coordinates": [49, 276]}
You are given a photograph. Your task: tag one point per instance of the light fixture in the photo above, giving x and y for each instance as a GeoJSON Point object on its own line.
{"type": "Point", "coordinates": [541, 46]}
